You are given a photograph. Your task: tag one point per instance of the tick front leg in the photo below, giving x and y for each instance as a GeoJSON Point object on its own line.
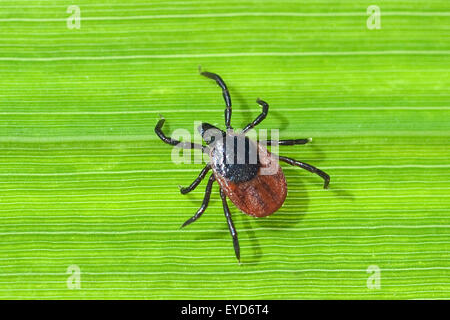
{"type": "Point", "coordinates": [196, 181]}
{"type": "Point", "coordinates": [308, 167]}
{"type": "Point", "coordinates": [231, 225]}
{"type": "Point", "coordinates": [261, 117]}
{"type": "Point", "coordinates": [173, 142]}
{"type": "Point", "coordinates": [205, 203]}
{"type": "Point", "coordinates": [288, 142]}
{"type": "Point", "coordinates": [225, 93]}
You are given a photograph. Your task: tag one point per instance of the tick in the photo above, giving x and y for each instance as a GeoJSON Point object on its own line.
{"type": "Point", "coordinates": [243, 181]}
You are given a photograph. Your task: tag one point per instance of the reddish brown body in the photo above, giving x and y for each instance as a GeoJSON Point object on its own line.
{"type": "Point", "coordinates": [262, 195]}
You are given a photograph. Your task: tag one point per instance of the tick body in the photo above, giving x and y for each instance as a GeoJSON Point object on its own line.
{"type": "Point", "coordinates": [247, 173]}
{"type": "Point", "coordinates": [244, 183]}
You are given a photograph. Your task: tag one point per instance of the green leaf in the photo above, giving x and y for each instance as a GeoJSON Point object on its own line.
{"type": "Point", "coordinates": [88, 190]}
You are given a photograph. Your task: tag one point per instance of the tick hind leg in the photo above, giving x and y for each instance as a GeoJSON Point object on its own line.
{"type": "Point", "coordinates": [308, 167]}
{"type": "Point", "coordinates": [231, 227]}
{"type": "Point", "coordinates": [205, 203]}
{"type": "Point", "coordinates": [173, 142]}
{"type": "Point", "coordinates": [225, 93]}
{"type": "Point", "coordinates": [261, 117]}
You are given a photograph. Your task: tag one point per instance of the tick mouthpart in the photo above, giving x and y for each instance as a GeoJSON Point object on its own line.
{"type": "Point", "coordinates": [210, 133]}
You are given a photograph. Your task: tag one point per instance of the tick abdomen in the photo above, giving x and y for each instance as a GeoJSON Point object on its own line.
{"type": "Point", "coordinates": [259, 197]}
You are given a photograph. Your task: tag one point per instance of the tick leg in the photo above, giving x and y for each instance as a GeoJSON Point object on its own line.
{"type": "Point", "coordinates": [202, 209]}
{"type": "Point", "coordinates": [225, 93]}
{"type": "Point", "coordinates": [308, 167]}
{"type": "Point", "coordinates": [196, 181]}
{"type": "Point", "coordinates": [261, 117]}
{"type": "Point", "coordinates": [173, 142]}
{"type": "Point", "coordinates": [233, 231]}
{"type": "Point", "coordinates": [288, 142]}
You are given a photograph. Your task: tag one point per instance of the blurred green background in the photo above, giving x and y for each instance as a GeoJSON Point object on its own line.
{"type": "Point", "coordinates": [88, 192]}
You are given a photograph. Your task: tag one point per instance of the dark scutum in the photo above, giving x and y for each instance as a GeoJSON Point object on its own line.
{"type": "Point", "coordinates": [233, 165]}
